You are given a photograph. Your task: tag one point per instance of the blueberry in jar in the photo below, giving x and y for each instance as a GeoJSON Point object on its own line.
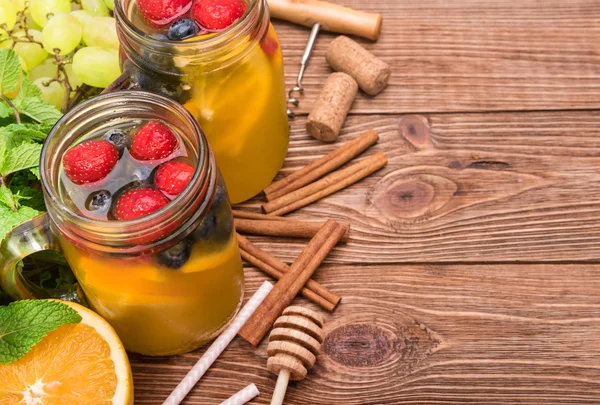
{"type": "Point", "coordinates": [99, 200]}
{"type": "Point", "coordinates": [175, 257]}
{"type": "Point", "coordinates": [207, 227]}
{"type": "Point", "coordinates": [182, 29]}
{"type": "Point", "coordinates": [118, 138]}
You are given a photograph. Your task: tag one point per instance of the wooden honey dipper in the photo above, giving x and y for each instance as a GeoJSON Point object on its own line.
{"type": "Point", "coordinates": [294, 345]}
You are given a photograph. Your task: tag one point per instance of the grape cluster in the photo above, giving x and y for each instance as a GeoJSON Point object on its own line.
{"type": "Point", "coordinates": [66, 47]}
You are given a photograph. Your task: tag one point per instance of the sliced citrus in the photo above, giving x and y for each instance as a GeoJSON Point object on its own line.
{"type": "Point", "coordinates": [81, 364]}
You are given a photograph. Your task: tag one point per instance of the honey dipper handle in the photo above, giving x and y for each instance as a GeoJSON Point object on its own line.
{"type": "Point", "coordinates": [332, 17]}
{"type": "Point", "coordinates": [282, 382]}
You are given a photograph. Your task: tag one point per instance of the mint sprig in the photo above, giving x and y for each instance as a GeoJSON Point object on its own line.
{"type": "Point", "coordinates": [26, 120]}
{"type": "Point", "coordinates": [23, 324]}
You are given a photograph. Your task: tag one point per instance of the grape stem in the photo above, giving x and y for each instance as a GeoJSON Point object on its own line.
{"type": "Point", "coordinates": [12, 106]}
{"type": "Point", "coordinates": [62, 78]}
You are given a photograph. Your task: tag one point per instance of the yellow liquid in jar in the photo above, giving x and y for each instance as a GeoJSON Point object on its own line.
{"type": "Point", "coordinates": [242, 110]}
{"type": "Point", "coordinates": [159, 311]}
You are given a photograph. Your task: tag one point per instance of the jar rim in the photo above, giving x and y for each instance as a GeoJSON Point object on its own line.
{"type": "Point", "coordinates": [212, 42]}
{"type": "Point", "coordinates": [191, 202]}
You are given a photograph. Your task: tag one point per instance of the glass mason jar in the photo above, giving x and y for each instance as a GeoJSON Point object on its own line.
{"type": "Point", "coordinates": [231, 81]}
{"type": "Point", "coordinates": [155, 310]}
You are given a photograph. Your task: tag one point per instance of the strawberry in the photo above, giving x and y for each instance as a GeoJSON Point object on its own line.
{"type": "Point", "coordinates": [162, 12]}
{"type": "Point", "coordinates": [90, 161]}
{"type": "Point", "coordinates": [269, 45]}
{"type": "Point", "coordinates": [218, 14]}
{"type": "Point", "coordinates": [154, 140]}
{"type": "Point", "coordinates": [172, 177]}
{"type": "Point", "coordinates": [138, 203]}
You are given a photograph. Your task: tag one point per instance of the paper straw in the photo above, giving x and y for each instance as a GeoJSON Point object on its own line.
{"type": "Point", "coordinates": [245, 395]}
{"type": "Point", "coordinates": [209, 357]}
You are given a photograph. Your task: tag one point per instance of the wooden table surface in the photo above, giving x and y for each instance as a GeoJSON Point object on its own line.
{"type": "Point", "coordinates": [473, 271]}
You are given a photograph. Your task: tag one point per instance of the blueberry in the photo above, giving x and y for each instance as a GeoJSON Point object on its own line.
{"type": "Point", "coordinates": [118, 138]}
{"type": "Point", "coordinates": [99, 200]}
{"type": "Point", "coordinates": [220, 197]}
{"type": "Point", "coordinates": [225, 228]}
{"type": "Point", "coordinates": [182, 29]}
{"type": "Point", "coordinates": [207, 227]}
{"type": "Point", "coordinates": [162, 85]}
{"type": "Point", "coordinates": [175, 257]}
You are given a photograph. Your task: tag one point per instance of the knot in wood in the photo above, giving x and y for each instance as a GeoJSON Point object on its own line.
{"type": "Point", "coordinates": [360, 345]}
{"type": "Point", "coordinates": [415, 129]}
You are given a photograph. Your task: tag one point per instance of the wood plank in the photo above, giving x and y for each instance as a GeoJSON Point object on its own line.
{"type": "Point", "coordinates": [465, 188]}
{"type": "Point", "coordinates": [487, 55]}
{"type": "Point", "coordinates": [433, 334]}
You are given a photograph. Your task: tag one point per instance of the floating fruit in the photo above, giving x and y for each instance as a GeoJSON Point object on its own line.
{"type": "Point", "coordinates": [153, 141]}
{"type": "Point", "coordinates": [138, 203]}
{"type": "Point", "coordinates": [172, 177]}
{"type": "Point", "coordinates": [90, 161]}
{"type": "Point", "coordinates": [218, 14]}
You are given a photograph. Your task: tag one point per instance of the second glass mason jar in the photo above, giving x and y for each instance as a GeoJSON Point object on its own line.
{"type": "Point", "coordinates": [156, 309]}
{"type": "Point", "coordinates": [231, 81]}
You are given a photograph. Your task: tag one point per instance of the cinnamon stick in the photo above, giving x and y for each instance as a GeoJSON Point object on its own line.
{"type": "Point", "coordinates": [322, 166]}
{"type": "Point", "coordinates": [256, 215]}
{"type": "Point", "coordinates": [326, 186]}
{"type": "Point", "coordinates": [292, 229]}
{"type": "Point", "coordinates": [292, 282]}
{"type": "Point", "coordinates": [274, 267]}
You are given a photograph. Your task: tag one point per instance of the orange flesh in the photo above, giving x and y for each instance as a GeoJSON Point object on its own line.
{"type": "Point", "coordinates": [70, 366]}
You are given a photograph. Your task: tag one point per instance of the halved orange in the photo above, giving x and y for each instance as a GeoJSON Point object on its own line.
{"type": "Point", "coordinates": [82, 364]}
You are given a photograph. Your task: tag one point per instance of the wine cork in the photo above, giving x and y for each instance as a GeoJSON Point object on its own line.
{"type": "Point", "coordinates": [371, 73]}
{"type": "Point", "coordinates": [329, 113]}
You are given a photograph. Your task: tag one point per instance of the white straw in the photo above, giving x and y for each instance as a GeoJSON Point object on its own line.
{"type": "Point", "coordinates": [218, 346]}
{"type": "Point", "coordinates": [245, 395]}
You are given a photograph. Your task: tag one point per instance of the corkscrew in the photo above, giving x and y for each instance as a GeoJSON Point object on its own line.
{"type": "Point", "coordinates": [298, 89]}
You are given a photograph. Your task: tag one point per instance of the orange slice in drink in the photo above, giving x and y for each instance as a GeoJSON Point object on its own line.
{"type": "Point", "coordinates": [81, 364]}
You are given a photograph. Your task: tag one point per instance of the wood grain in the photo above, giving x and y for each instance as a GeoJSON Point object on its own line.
{"type": "Point", "coordinates": [465, 188]}
{"type": "Point", "coordinates": [432, 334]}
{"type": "Point", "coordinates": [472, 275]}
{"type": "Point", "coordinates": [469, 55]}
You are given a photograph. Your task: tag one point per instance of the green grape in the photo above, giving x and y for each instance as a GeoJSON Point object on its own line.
{"type": "Point", "coordinates": [63, 32]}
{"type": "Point", "coordinates": [54, 93]}
{"type": "Point", "coordinates": [110, 4]}
{"type": "Point", "coordinates": [95, 7]}
{"type": "Point", "coordinates": [74, 81]}
{"type": "Point", "coordinates": [32, 53]}
{"type": "Point", "coordinates": [19, 4]}
{"type": "Point", "coordinates": [82, 16]}
{"type": "Point", "coordinates": [102, 32]}
{"type": "Point", "coordinates": [23, 64]}
{"type": "Point", "coordinates": [97, 67]}
{"type": "Point", "coordinates": [46, 69]}
{"type": "Point", "coordinates": [8, 15]}
{"type": "Point", "coordinates": [31, 24]}
{"type": "Point", "coordinates": [40, 9]}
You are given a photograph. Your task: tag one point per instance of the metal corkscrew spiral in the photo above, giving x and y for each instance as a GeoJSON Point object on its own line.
{"type": "Point", "coordinates": [298, 89]}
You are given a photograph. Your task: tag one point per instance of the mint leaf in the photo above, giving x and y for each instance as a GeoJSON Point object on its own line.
{"type": "Point", "coordinates": [9, 199]}
{"type": "Point", "coordinates": [36, 172]}
{"type": "Point", "coordinates": [23, 324]}
{"type": "Point", "coordinates": [10, 70]}
{"type": "Point", "coordinates": [9, 219]}
{"type": "Point", "coordinates": [5, 110]}
{"type": "Point", "coordinates": [29, 132]}
{"type": "Point", "coordinates": [29, 196]}
{"type": "Point", "coordinates": [27, 90]}
{"type": "Point", "coordinates": [38, 110]}
{"type": "Point", "coordinates": [25, 156]}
